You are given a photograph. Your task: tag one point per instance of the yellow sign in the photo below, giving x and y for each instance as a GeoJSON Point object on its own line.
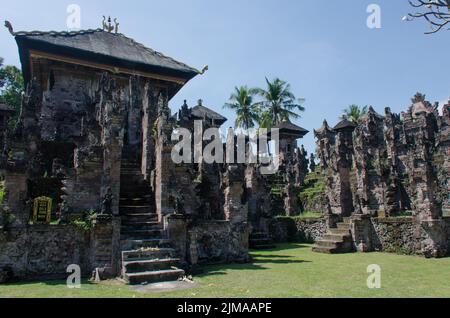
{"type": "Point", "coordinates": [42, 210]}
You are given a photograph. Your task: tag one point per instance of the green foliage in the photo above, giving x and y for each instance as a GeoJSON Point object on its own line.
{"type": "Point", "coordinates": [354, 113]}
{"type": "Point", "coordinates": [2, 192]}
{"type": "Point", "coordinates": [247, 112]}
{"type": "Point", "coordinates": [11, 89]}
{"type": "Point", "coordinates": [277, 191]}
{"type": "Point", "coordinates": [313, 191]}
{"type": "Point", "coordinates": [8, 218]}
{"type": "Point", "coordinates": [85, 223]}
{"type": "Point", "coordinates": [278, 104]}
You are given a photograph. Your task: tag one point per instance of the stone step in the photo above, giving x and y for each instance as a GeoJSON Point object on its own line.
{"type": "Point", "coordinates": [154, 276]}
{"type": "Point", "coordinates": [155, 253]}
{"type": "Point", "coordinates": [135, 233]}
{"type": "Point", "coordinates": [136, 219]}
{"type": "Point", "coordinates": [343, 226]}
{"type": "Point", "coordinates": [128, 174]}
{"type": "Point", "coordinates": [149, 265]}
{"type": "Point", "coordinates": [339, 232]}
{"type": "Point", "coordinates": [104, 241]}
{"type": "Point", "coordinates": [129, 161]}
{"type": "Point", "coordinates": [258, 235]}
{"type": "Point", "coordinates": [129, 197]}
{"type": "Point", "coordinates": [132, 187]}
{"type": "Point", "coordinates": [141, 224]}
{"type": "Point", "coordinates": [134, 244]}
{"type": "Point", "coordinates": [136, 209]}
{"type": "Point", "coordinates": [140, 217]}
{"type": "Point", "coordinates": [324, 250]}
{"type": "Point", "coordinates": [134, 201]}
{"type": "Point", "coordinates": [325, 243]}
{"type": "Point", "coordinates": [337, 237]}
{"type": "Point", "coordinates": [333, 247]}
{"type": "Point", "coordinates": [260, 240]}
{"type": "Point", "coordinates": [347, 220]}
{"type": "Point", "coordinates": [103, 249]}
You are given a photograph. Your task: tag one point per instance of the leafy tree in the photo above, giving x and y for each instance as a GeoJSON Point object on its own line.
{"type": "Point", "coordinates": [11, 87]}
{"type": "Point", "coordinates": [354, 113]}
{"type": "Point", "coordinates": [279, 103]}
{"type": "Point", "coordinates": [241, 101]}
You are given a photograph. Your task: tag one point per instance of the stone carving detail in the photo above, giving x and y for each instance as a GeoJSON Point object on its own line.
{"type": "Point", "coordinates": [390, 165]}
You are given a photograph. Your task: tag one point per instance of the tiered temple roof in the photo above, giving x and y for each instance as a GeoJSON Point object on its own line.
{"type": "Point", "coordinates": [103, 50]}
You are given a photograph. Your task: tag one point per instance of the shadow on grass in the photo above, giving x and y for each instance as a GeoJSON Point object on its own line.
{"type": "Point", "coordinates": [260, 258]}
{"type": "Point", "coordinates": [55, 282]}
{"type": "Point", "coordinates": [257, 263]}
{"type": "Point", "coordinates": [283, 247]}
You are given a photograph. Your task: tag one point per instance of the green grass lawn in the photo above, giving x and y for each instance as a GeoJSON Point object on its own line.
{"type": "Point", "coordinates": [288, 271]}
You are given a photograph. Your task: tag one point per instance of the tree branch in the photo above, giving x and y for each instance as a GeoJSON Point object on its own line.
{"type": "Point", "coordinates": [435, 12]}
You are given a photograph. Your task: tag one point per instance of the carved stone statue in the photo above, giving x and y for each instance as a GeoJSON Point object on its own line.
{"type": "Point", "coordinates": [107, 202]}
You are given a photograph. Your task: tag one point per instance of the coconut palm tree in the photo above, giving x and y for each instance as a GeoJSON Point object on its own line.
{"type": "Point", "coordinates": [241, 101]}
{"type": "Point", "coordinates": [278, 104]}
{"type": "Point", "coordinates": [354, 113]}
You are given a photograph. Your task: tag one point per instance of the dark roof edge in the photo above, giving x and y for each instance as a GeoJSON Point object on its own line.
{"type": "Point", "coordinates": [27, 44]}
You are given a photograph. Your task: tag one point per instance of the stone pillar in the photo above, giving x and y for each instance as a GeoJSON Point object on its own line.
{"type": "Point", "coordinates": [235, 210]}
{"type": "Point", "coordinates": [17, 205]}
{"type": "Point", "coordinates": [23, 158]}
{"type": "Point", "coordinates": [325, 141]}
{"type": "Point", "coordinates": [394, 195]}
{"type": "Point", "coordinates": [361, 229]}
{"type": "Point", "coordinates": [259, 201]}
{"type": "Point", "coordinates": [111, 116]}
{"type": "Point", "coordinates": [335, 149]}
{"type": "Point", "coordinates": [148, 130]}
{"type": "Point", "coordinates": [370, 161]}
{"type": "Point", "coordinates": [164, 164]}
{"type": "Point", "coordinates": [105, 247]}
{"type": "Point", "coordinates": [177, 229]}
{"type": "Point", "coordinates": [421, 129]}
{"type": "Point", "coordinates": [291, 200]}
{"type": "Point", "coordinates": [344, 144]}
{"type": "Point", "coordinates": [443, 158]}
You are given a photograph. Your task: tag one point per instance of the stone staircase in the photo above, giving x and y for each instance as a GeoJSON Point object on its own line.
{"type": "Point", "coordinates": [337, 241]}
{"type": "Point", "coordinates": [147, 256]}
{"type": "Point", "coordinates": [260, 241]}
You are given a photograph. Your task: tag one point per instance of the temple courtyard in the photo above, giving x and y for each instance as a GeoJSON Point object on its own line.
{"type": "Point", "coordinates": [291, 270]}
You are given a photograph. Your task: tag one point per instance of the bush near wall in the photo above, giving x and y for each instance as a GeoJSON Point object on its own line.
{"type": "Point", "coordinates": [313, 192]}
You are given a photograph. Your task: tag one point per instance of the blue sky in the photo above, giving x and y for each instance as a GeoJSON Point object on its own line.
{"type": "Point", "coordinates": [323, 49]}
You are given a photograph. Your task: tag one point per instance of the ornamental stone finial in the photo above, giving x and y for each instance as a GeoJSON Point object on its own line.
{"type": "Point", "coordinates": [9, 26]}
{"type": "Point", "coordinates": [204, 70]}
{"type": "Point", "coordinates": [108, 26]}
